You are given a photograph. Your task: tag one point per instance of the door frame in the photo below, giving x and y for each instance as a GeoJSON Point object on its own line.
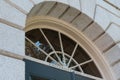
{"type": "Point", "coordinates": [48, 72]}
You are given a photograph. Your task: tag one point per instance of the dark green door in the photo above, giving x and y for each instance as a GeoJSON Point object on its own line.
{"type": "Point", "coordinates": [37, 71]}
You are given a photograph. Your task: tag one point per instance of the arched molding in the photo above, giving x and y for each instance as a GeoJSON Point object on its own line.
{"type": "Point", "coordinates": [75, 34]}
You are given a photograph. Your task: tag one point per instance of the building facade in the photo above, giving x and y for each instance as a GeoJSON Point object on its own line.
{"type": "Point", "coordinates": [59, 40]}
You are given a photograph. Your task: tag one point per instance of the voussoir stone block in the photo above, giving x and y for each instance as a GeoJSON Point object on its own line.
{"type": "Point", "coordinates": [114, 32]}
{"type": "Point", "coordinates": [45, 8]}
{"type": "Point", "coordinates": [34, 10]}
{"type": "Point", "coordinates": [113, 55]}
{"type": "Point", "coordinates": [11, 69]}
{"type": "Point", "coordinates": [81, 21]}
{"type": "Point", "coordinates": [12, 39]}
{"type": "Point", "coordinates": [93, 31]}
{"type": "Point", "coordinates": [25, 5]}
{"type": "Point", "coordinates": [11, 14]}
{"type": "Point", "coordinates": [70, 14]}
{"type": "Point", "coordinates": [104, 42]}
{"type": "Point", "coordinates": [58, 10]}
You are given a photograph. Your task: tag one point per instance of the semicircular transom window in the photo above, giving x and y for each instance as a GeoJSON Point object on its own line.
{"type": "Point", "coordinates": [58, 49]}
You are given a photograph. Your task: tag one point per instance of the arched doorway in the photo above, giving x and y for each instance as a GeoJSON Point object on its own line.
{"type": "Point", "coordinates": [59, 50]}
{"type": "Point", "coordinates": [41, 24]}
{"type": "Point", "coordinates": [20, 11]}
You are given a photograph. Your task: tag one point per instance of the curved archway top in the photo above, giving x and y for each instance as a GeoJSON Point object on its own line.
{"type": "Point", "coordinates": [69, 15]}
{"type": "Point", "coordinates": [83, 22]}
{"type": "Point", "coordinates": [73, 16]}
{"type": "Point", "coordinates": [66, 2]}
{"type": "Point", "coordinates": [63, 12]}
{"type": "Point", "coordinates": [54, 11]}
{"type": "Point", "coordinates": [100, 38]}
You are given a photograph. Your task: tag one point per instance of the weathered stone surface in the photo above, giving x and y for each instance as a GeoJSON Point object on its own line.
{"type": "Point", "coordinates": [11, 14]}
{"type": "Point", "coordinates": [93, 31]}
{"type": "Point", "coordinates": [88, 7]}
{"type": "Point", "coordinates": [104, 42]}
{"type": "Point", "coordinates": [25, 5]}
{"type": "Point", "coordinates": [75, 3]}
{"type": "Point", "coordinates": [37, 1]}
{"type": "Point", "coordinates": [116, 3]}
{"type": "Point", "coordinates": [116, 69]}
{"type": "Point", "coordinates": [70, 14]}
{"type": "Point", "coordinates": [46, 8]}
{"type": "Point", "coordinates": [58, 10]}
{"type": "Point", "coordinates": [12, 40]}
{"type": "Point", "coordinates": [113, 55]}
{"type": "Point", "coordinates": [11, 69]}
{"type": "Point", "coordinates": [82, 21]}
{"type": "Point", "coordinates": [34, 10]}
{"type": "Point", "coordinates": [102, 17]}
{"type": "Point", "coordinates": [62, 1]}
{"type": "Point", "coordinates": [108, 7]}
{"type": "Point", "coordinates": [114, 32]}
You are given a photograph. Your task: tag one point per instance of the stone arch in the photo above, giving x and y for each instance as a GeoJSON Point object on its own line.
{"type": "Point", "coordinates": [54, 11]}
{"type": "Point", "coordinates": [111, 46]}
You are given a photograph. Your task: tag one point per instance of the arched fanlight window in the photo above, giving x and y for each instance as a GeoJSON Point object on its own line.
{"type": "Point", "coordinates": [58, 49]}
